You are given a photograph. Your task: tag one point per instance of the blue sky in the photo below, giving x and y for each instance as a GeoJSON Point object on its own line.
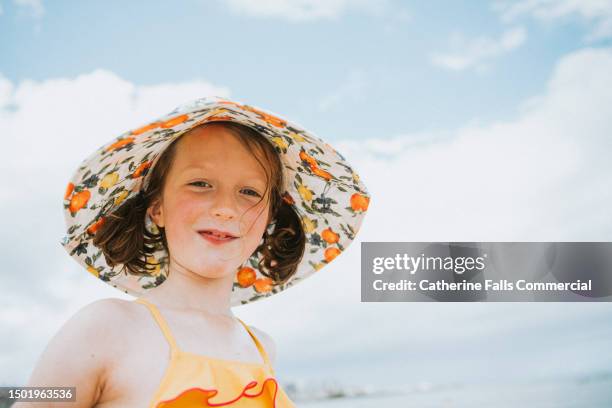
{"type": "Point", "coordinates": [375, 55]}
{"type": "Point", "coordinates": [467, 121]}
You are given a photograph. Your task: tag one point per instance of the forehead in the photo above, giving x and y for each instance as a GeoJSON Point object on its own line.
{"type": "Point", "coordinates": [215, 148]}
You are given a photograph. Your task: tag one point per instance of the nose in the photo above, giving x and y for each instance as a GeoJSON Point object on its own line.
{"type": "Point", "coordinates": [223, 215]}
{"type": "Point", "coordinates": [223, 207]}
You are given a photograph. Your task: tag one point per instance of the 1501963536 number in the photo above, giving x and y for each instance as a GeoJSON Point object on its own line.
{"type": "Point", "coordinates": [33, 394]}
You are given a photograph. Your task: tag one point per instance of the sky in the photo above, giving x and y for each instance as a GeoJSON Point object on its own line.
{"type": "Point", "coordinates": [467, 121]}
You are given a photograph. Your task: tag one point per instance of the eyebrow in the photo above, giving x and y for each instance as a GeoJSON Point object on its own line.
{"type": "Point", "coordinates": [196, 167]}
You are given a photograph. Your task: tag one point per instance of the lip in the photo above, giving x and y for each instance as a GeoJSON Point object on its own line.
{"type": "Point", "coordinates": [214, 240]}
{"type": "Point", "coordinates": [220, 232]}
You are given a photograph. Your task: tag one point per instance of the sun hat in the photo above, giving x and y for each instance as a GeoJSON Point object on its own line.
{"type": "Point", "coordinates": [320, 185]}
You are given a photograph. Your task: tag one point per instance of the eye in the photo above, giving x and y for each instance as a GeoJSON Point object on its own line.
{"type": "Point", "coordinates": [256, 193]}
{"type": "Point", "coordinates": [196, 182]}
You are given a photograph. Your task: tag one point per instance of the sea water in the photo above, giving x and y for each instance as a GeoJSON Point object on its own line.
{"type": "Point", "coordinates": [586, 393]}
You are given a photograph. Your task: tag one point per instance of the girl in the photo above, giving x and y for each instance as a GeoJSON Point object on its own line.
{"type": "Point", "coordinates": [214, 205]}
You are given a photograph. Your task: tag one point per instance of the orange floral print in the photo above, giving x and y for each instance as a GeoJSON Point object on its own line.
{"type": "Point", "coordinates": [138, 172]}
{"type": "Point", "coordinates": [271, 119]}
{"type": "Point", "coordinates": [322, 173]}
{"type": "Point", "coordinates": [69, 189]}
{"type": "Point", "coordinates": [331, 253]}
{"type": "Point", "coordinates": [95, 226]}
{"type": "Point", "coordinates": [330, 236]}
{"type": "Point", "coordinates": [145, 128]}
{"type": "Point", "coordinates": [359, 202]}
{"type": "Point", "coordinates": [308, 159]}
{"type": "Point", "coordinates": [246, 276]}
{"type": "Point", "coordinates": [218, 118]}
{"type": "Point", "coordinates": [79, 200]}
{"type": "Point", "coordinates": [263, 285]}
{"type": "Point", "coordinates": [120, 143]}
{"type": "Point", "coordinates": [314, 166]}
{"type": "Point", "coordinates": [174, 121]}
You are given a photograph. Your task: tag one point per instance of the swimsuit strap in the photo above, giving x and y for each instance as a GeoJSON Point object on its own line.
{"type": "Point", "coordinates": [174, 349]}
{"type": "Point", "coordinates": [161, 323]}
{"type": "Point", "coordinates": [261, 349]}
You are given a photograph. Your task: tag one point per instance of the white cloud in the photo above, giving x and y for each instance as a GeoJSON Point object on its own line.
{"type": "Point", "coordinates": [507, 180]}
{"type": "Point", "coordinates": [34, 7]}
{"type": "Point", "coordinates": [476, 52]}
{"type": "Point", "coordinates": [304, 10]}
{"type": "Point", "coordinates": [596, 13]}
{"type": "Point", "coordinates": [543, 176]}
{"type": "Point", "coordinates": [79, 114]}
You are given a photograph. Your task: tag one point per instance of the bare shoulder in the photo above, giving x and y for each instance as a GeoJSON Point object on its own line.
{"type": "Point", "coordinates": [104, 317]}
{"type": "Point", "coordinates": [117, 319]}
{"type": "Point", "coordinates": [267, 342]}
{"type": "Point", "coordinates": [80, 351]}
{"type": "Point", "coordinates": [108, 307]}
{"type": "Point", "coordinates": [92, 323]}
{"type": "Point", "coordinates": [100, 324]}
{"type": "Point", "coordinates": [113, 308]}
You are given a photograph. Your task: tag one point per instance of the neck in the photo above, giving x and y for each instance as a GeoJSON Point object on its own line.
{"type": "Point", "coordinates": [188, 291]}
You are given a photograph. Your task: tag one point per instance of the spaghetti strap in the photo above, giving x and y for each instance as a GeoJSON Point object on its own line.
{"type": "Point", "coordinates": [260, 347]}
{"type": "Point", "coordinates": [174, 349]}
{"type": "Point", "coordinates": [161, 322]}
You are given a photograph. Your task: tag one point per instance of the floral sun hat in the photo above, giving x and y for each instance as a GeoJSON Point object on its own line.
{"type": "Point", "coordinates": [321, 186]}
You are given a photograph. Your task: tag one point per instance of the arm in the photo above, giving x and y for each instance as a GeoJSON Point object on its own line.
{"type": "Point", "coordinates": [77, 356]}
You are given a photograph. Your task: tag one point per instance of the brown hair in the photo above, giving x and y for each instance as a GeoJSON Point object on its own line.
{"type": "Point", "coordinates": [124, 239]}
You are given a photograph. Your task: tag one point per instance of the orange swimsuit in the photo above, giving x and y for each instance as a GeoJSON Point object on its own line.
{"type": "Point", "coordinates": [197, 381]}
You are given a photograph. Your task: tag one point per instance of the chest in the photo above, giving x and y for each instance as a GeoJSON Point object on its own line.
{"type": "Point", "coordinates": [134, 375]}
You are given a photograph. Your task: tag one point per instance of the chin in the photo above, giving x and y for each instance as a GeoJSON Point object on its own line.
{"type": "Point", "coordinates": [215, 270]}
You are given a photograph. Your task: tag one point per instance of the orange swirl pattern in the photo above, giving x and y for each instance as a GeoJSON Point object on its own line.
{"type": "Point", "coordinates": [200, 398]}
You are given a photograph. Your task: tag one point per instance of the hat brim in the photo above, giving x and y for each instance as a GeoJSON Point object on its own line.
{"type": "Point", "coordinates": [320, 185]}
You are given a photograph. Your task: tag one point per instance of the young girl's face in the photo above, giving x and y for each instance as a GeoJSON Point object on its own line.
{"type": "Point", "coordinates": [214, 183]}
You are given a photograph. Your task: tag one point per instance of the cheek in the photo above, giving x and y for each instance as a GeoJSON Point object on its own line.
{"type": "Point", "coordinates": [252, 238]}
{"type": "Point", "coordinates": [181, 217]}
{"type": "Point", "coordinates": [254, 220]}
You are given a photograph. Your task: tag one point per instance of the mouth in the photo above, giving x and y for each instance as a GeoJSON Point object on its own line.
{"type": "Point", "coordinates": [216, 235]}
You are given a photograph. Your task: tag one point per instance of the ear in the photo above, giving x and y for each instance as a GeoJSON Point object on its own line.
{"type": "Point", "coordinates": [156, 213]}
